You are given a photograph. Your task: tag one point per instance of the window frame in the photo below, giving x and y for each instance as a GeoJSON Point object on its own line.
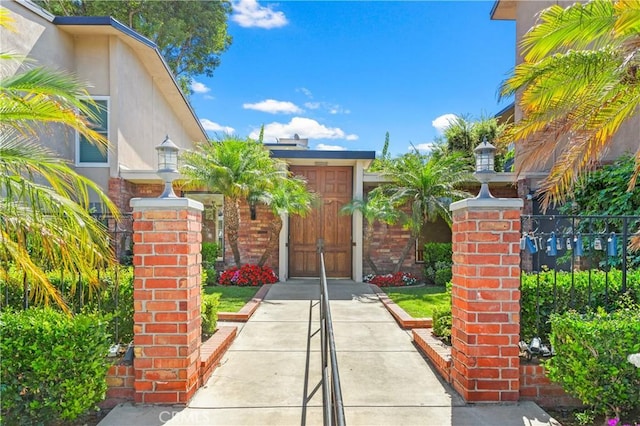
{"type": "Point", "coordinates": [79, 163]}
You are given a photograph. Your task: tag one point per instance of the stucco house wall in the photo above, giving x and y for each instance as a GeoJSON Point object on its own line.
{"type": "Point", "coordinates": [119, 65]}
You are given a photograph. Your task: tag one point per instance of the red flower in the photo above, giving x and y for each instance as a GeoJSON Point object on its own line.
{"type": "Point", "coordinates": [248, 275]}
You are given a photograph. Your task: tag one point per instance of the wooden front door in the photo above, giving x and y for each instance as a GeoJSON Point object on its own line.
{"type": "Point", "coordinates": [333, 187]}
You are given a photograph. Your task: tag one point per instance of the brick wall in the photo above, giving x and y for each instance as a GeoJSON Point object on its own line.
{"type": "Point", "coordinates": [167, 267]}
{"type": "Point", "coordinates": [486, 299]}
{"type": "Point", "coordinates": [535, 386]}
{"type": "Point", "coordinates": [253, 237]}
{"type": "Point", "coordinates": [120, 389]}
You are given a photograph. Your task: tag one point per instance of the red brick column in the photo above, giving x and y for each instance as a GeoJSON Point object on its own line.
{"type": "Point", "coordinates": [167, 266]}
{"type": "Point", "coordinates": [486, 299]}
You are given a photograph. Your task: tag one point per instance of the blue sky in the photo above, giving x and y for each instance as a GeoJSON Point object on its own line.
{"type": "Point", "coordinates": [344, 73]}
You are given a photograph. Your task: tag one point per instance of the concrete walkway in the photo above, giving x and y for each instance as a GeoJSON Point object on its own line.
{"type": "Point", "coordinates": [271, 373]}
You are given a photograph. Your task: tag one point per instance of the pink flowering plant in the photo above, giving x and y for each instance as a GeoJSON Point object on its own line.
{"type": "Point", "coordinates": [248, 275]}
{"type": "Point", "coordinates": [398, 279]}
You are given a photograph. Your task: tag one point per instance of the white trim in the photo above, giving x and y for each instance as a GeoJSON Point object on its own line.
{"type": "Point", "coordinates": [77, 136]}
{"type": "Point", "coordinates": [36, 9]}
{"type": "Point", "coordinates": [487, 204]}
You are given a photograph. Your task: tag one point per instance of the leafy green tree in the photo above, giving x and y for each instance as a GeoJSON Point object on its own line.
{"type": "Point", "coordinates": [373, 209]}
{"type": "Point", "coordinates": [191, 35]}
{"type": "Point", "coordinates": [427, 184]}
{"type": "Point", "coordinates": [578, 82]}
{"type": "Point", "coordinates": [288, 195]}
{"type": "Point", "coordinates": [235, 168]}
{"type": "Point", "coordinates": [44, 204]}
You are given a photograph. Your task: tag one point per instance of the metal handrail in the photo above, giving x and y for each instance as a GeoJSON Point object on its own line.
{"type": "Point", "coordinates": [333, 409]}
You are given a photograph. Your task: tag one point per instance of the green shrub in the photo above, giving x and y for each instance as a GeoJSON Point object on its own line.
{"type": "Point", "coordinates": [114, 296]}
{"type": "Point", "coordinates": [211, 277]}
{"type": "Point", "coordinates": [437, 262]}
{"type": "Point", "coordinates": [442, 323]}
{"type": "Point", "coordinates": [209, 309]}
{"type": "Point", "coordinates": [603, 291]}
{"type": "Point", "coordinates": [591, 358]}
{"type": "Point", "coordinates": [53, 365]}
{"type": "Point", "coordinates": [210, 253]}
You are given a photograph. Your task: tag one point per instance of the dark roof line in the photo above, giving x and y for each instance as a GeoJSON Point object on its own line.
{"type": "Point", "coordinates": [493, 8]}
{"type": "Point", "coordinates": [109, 21]}
{"type": "Point", "coordinates": [505, 109]}
{"type": "Point", "coordinates": [324, 155]}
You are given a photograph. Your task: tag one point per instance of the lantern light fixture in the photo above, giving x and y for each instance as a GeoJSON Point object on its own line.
{"type": "Point", "coordinates": [485, 160]}
{"type": "Point", "coordinates": [168, 166]}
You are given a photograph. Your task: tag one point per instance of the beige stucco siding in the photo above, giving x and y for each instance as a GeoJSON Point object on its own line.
{"type": "Point", "coordinates": [117, 66]}
{"type": "Point", "coordinates": [143, 114]}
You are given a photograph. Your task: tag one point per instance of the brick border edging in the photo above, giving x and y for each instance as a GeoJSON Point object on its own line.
{"type": "Point", "coordinates": [405, 320]}
{"type": "Point", "coordinates": [438, 354]}
{"type": "Point", "coordinates": [212, 350]}
{"type": "Point", "coordinates": [248, 309]}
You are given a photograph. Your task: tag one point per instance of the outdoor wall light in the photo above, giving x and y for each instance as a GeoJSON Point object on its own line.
{"type": "Point", "coordinates": [485, 158]}
{"type": "Point", "coordinates": [168, 166]}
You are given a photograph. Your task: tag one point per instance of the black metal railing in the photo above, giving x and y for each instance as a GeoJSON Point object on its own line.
{"type": "Point", "coordinates": [575, 262]}
{"type": "Point", "coordinates": [333, 409]}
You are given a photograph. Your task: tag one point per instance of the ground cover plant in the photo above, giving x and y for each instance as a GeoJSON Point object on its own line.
{"type": "Point", "coordinates": [248, 275]}
{"type": "Point", "coordinates": [232, 298]}
{"type": "Point", "coordinates": [397, 279]}
{"type": "Point", "coordinates": [420, 302]}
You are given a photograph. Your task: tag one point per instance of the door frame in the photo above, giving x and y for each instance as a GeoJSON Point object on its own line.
{"type": "Point", "coordinates": [359, 165]}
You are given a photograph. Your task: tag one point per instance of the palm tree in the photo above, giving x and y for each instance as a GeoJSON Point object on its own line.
{"type": "Point", "coordinates": [428, 184]}
{"type": "Point", "coordinates": [289, 195]}
{"type": "Point", "coordinates": [44, 204]}
{"type": "Point", "coordinates": [373, 209]}
{"type": "Point", "coordinates": [578, 82]}
{"type": "Point", "coordinates": [234, 168]}
{"type": "Point", "coordinates": [463, 134]}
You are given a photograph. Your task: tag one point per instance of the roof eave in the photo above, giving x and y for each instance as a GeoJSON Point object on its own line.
{"type": "Point", "coordinates": [125, 30]}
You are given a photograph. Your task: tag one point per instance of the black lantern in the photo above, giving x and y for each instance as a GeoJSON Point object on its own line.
{"type": "Point", "coordinates": [485, 158]}
{"type": "Point", "coordinates": [168, 166]}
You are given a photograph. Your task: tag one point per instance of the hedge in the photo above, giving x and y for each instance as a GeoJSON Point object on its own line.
{"type": "Point", "coordinates": [591, 359]}
{"type": "Point", "coordinates": [604, 291]}
{"type": "Point", "coordinates": [53, 366]}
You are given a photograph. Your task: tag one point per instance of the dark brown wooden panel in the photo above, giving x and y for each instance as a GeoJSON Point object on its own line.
{"type": "Point", "coordinates": [333, 186]}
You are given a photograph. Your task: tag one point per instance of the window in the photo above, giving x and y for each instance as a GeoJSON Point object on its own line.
{"type": "Point", "coordinates": [88, 154]}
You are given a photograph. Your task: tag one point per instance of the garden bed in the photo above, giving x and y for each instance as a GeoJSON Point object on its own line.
{"type": "Point", "coordinates": [405, 320]}
{"type": "Point", "coordinates": [244, 313]}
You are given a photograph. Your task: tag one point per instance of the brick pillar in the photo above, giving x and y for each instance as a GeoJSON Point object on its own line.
{"type": "Point", "coordinates": [486, 299]}
{"type": "Point", "coordinates": [167, 266]}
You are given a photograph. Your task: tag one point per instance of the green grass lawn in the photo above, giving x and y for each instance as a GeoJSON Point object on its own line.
{"type": "Point", "coordinates": [419, 302]}
{"type": "Point", "coordinates": [232, 298]}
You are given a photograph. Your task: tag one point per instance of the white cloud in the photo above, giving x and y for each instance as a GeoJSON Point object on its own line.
{"type": "Point", "coordinates": [332, 109]}
{"type": "Point", "coordinates": [208, 97]}
{"type": "Point", "coordinates": [324, 147]}
{"type": "Point", "coordinates": [215, 127]}
{"type": "Point", "coordinates": [198, 87]}
{"type": "Point", "coordinates": [305, 127]}
{"type": "Point", "coordinates": [442, 122]}
{"type": "Point", "coordinates": [249, 14]}
{"type": "Point", "coordinates": [306, 91]}
{"type": "Point", "coordinates": [274, 107]}
{"type": "Point", "coordinates": [422, 147]}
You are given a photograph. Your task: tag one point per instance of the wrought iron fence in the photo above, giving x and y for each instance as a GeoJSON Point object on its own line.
{"type": "Point", "coordinates": [575, 262]}
{"type": "Point", "coordinates": [333, 409]}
